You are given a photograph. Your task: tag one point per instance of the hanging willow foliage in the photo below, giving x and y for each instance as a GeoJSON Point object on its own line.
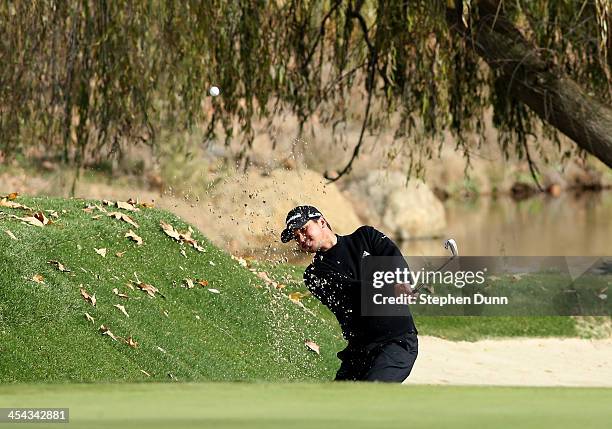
{"type": "Point", "coordinates": [85, 78]}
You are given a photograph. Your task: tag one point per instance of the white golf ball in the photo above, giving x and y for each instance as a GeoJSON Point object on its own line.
{"type": "Point", "coordinates": [214, 91]}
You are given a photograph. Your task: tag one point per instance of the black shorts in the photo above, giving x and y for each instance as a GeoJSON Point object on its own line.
{"type": "Point", "coordinates": [390, 361]}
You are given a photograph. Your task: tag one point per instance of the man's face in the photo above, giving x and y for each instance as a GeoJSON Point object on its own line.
{"type": "Point", "coordinates": [310, 237]}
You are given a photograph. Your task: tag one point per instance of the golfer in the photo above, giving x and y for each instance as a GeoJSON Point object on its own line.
{"type": "Point", "coordinates": [380, 348]}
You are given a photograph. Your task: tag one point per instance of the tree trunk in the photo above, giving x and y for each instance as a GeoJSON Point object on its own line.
{"type": "Point", "coordinates": [538, 83]}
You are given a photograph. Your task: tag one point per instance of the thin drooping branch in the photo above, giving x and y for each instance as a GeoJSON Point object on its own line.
{"type": "Point", "coordinates": [370, 88]}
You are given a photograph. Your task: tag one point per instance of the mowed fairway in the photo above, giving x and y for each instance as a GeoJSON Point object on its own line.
{"type": "Point", "coordinates": [298, 405]}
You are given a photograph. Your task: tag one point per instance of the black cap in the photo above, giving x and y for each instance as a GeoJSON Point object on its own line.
{"type": "Point", "coordinates": [297, 218]}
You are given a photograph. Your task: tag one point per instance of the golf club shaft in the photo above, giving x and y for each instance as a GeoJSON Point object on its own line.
{"type": "Point", "coordinates": [422, 285]}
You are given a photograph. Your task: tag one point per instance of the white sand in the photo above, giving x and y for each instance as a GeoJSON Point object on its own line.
{"type": "Point", "coordinates": [514, 362]}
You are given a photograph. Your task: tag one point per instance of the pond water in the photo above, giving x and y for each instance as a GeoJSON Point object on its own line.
{"type": "Point", "coordinates": [572, 224]}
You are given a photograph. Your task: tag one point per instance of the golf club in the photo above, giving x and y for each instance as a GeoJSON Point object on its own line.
{"type": "Point", "coordinates": [451, 245]}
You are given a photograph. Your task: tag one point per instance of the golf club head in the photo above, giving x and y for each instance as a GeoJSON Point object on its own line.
{"type": "Point", "coordinates": [451, 245]}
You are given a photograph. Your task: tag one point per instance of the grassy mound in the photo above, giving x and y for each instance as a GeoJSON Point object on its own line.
{"type": "Point", "coordinates": [231, 325]}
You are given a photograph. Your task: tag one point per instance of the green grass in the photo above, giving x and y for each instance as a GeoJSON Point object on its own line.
{"type": "Point", "coordinates": [248, 331]}
{"type": "Point", "coordinates": [322, 405]}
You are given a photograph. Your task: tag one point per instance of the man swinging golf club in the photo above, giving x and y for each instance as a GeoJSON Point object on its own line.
{"type": "Point", "coordinates": [380, 348]}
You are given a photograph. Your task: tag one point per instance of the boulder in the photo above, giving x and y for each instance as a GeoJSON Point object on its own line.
{"type": "Point", "coordinates": [403, 210]}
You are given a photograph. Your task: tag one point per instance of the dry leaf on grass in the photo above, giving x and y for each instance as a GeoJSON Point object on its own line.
{"type": "Point", "coordinates": [145, 373]}
{"type": "Point", "coordinates": [12, 196]}
{"type": "Point", "coordinates": [6, 202]}
{"type": "Point", "coordinates": [10, 234]}
{"type": "Point", "coordinates": [89, 318]}
{"type": "Point", "coordinates": [121, 309]}
{"type": "Point", "coordinates": [126, 205]}
{"type": "Point", "coordinates": [266, 278]}
{"type": "Point", "coordinates": [132, 343]}
{"type": "Point", "coordinates": [31, 220]}
{"type": "Point", "coordinates": [123, 217]}
{"type": "Point", "coordinates": [214, 290]}
{"type": "Point", "coordinates": [150, 289]}
{"type": "Point", "coordinates": [132, 235]}
{"type": "Point", "coordinates": [170, 231]}
{"type": "Point", "coordinates": [59, 266]}
{"type": "Point", "coordinates": [87, 297]}
{"type": "Point", "coordinates": [297, 296]}
{"type": "Point", "coordinates": [101, 252]}
{"type": "Point", "coordinates": [120, 254]}
{"type": "Point", "coordinates": [120, 295]}
{"type": "Point", "coordinates": [313, 346]}
{"type": "Point", "coordinates": [203, 283]}
{"type": "Point", "coordinates": [188, 283]}
{"type": "Point", "coordinates": [146, 205]}
{"type": "Point", "coordinates": [106, 331]}
{"type": "Point", "coordinates": [181, 237]}
{"type": "Point", "coordinates": [38, 278]}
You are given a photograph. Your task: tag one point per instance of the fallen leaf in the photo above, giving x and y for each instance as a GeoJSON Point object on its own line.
{"type": "Point", "coordinates": [101, 252]}
{"type": "Point", "coordinates": [214, 290]}
{"type": "Point", "coordinates": [121, 295]}
{"type": "Point", "coordinates": [280, 286]}
{"type": "Point", "coordinates": [59, 266]}
{"type": "Point", "coordinates": [145, 373]}
{"type": "Point", "coordinates": [181, 237]}
{"type": "Point", "coordinates": [32, 221]}
{"type": "Point", "coordinates": [160, 349]}
{"type": "Point", "coordinates": [38, 278]}
{"type": "Point", "coordinates": [12, 196]}
{"type": "Point", "coordinates": [127, 206]}
{"type": "Point", "coordinates": [183, 253]}
{"type": "Point", "coordinates": [10, 234]}
{"type": "Point", "coordinates": [96, 217]}
{"type": "Point", "coordinates": [89, 318]}
{"type": "Point", "coordinates": [106, 331]}
{"type": "Point", "coordinates": [53, 213]}
{"type": "Point", "coordinates": [313, 346]}
{"type": "Point", "coordinates": [166, 313]}
{"type": "Point", "coordinates": [147, 205]}
{"type": "Point", "coordinates": [7, 202]}
{"type": "Point", "coordinates": [41, 218]}
{"type": "Point", "coordinates": [130, 342]}
{"type": "Point", "coordinates": [132, 235]}
{"type": "Point", "coordinates": [189, 283]}
{"type": "Point", "coordinates": [264, 276]}
{"type": "Point", "coordinates": [121, 309]}
{"type": "Point", "coordinates": [87, 297]}
{"type": "Point", "coordinates": [297, 296]}
{"type": "Point", "coordinates": [123, 217]}
{"type": "Point", "coordinates": [120, 254]}
{"type": "Point", "coordinates": [202, 283]}
{"type": "Point", "coordinates": [170, 231]}
{"type": "Point", "coordinates": [108, 203]}
{"type": "Point", "coordinates": [150, 289]}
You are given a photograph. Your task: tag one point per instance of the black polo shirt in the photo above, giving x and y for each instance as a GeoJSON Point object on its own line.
{"type": "Point", "coordinates": [334, 277]}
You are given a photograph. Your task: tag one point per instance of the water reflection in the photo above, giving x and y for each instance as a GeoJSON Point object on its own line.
{"type": "Point", "coordinates": [579, 225]}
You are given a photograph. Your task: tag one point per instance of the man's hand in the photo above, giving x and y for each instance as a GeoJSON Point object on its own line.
{"type": "Point", "coordinates": [404, 289]}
